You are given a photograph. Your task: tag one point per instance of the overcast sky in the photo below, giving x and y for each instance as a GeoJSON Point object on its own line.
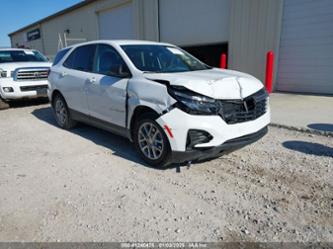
{"type": "Point", "coordinates": [15, 14]}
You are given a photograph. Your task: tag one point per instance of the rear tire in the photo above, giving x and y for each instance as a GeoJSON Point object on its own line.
{"type": "Point", "coordinates": [62, 114]}
{"type": "Point", "coordinates": [151, 142]}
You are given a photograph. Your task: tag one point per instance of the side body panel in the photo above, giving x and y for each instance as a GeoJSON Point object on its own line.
{"type": "Point", "coordinates": [71, 83]}
{"type": "Point", "coordinates": [106, 97]}
{"type": "Point", "coordinates": [143, 92]}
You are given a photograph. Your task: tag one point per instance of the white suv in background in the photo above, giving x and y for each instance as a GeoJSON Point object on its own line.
{"type": "Point", "coordinates": [23, 74]}
{"type": "Point", "coordinates": [172, 106]}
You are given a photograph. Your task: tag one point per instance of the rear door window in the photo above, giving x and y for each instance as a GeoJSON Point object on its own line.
{"type": "Point", "coordinates": [81, 58]}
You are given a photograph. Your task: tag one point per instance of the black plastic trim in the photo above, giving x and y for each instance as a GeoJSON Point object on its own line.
{"type": "Point", "coordinates": [163, 82]}
{"type": "Point", "coordinates": [116, 129]}
{"type": "Point", "coordinates": [213, 152]}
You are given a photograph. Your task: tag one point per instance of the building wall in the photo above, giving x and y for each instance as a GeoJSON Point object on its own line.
{"type": "Point", "coordinates": [20, 39]}
{"type": "Point", "coordinates": [82, 24]}
{"type": "Point", "coordinates": [251, 27]}
{"type": "Point", "coordinates": [194, 22]}
{"type": "Point", "coordinates": [254, 29]}
{"type": "Point", "coordinates": [306, 47]}
{"type": "Point", "coordinates": [148, 19]}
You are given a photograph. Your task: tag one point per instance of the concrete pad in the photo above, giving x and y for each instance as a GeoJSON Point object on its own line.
{"type": "Point", "coordinates": [306, 112]}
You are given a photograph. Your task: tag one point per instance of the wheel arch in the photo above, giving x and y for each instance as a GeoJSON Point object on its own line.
{"type": "Point", "coordinates": [56, 92]}
{"type": "Point", "coordinates": [139, 111]}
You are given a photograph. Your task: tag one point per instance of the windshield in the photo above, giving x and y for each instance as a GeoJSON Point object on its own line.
{"type": "Point", "coordinates": [21, 56]}
{"type": "Point", "coordinates": [162, 59]}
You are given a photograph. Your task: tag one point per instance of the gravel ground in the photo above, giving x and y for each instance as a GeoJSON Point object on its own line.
{"type": "Point", "coordinates": [89, 185]}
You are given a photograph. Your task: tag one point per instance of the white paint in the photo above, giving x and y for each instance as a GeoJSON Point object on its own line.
{"type": "Point", "coordinates": [180, 122]}
{"type": "Point", "coordinates": [110, 92]}
{"type": "Point", "coordinates": [23, 66]}
{"type": "Point", "coordinates": [215, 83]}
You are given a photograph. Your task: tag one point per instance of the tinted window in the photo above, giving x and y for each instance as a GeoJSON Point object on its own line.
{"type": "Point", "coordinates": [7, 56]}
{"type": "Point", "coordinates": [162, 59]}
{"type": "Point", "coordinates": [60, 55]}
{"type": "Point", "coordinates": [109, 62]}
{"type": "Point", "coordinates": [70, 59]}
{"type": "Point", "coordinates": [81, 58]}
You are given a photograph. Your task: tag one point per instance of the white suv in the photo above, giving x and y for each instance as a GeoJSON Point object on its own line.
{"type": "Point", "coordinates": [23, 74]}
{"type": "Point", "coordinates": [172, 106]}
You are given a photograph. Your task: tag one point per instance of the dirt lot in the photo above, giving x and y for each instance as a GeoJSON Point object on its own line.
{"type": "Point", "coordinates": [88, 184]}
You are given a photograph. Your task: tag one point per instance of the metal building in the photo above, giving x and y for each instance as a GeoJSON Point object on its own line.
{"type": "Point", "coordinates": [298, 31]}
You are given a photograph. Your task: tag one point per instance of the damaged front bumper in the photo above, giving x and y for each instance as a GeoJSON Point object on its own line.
{"type": "Point", "coordinates": [201, 154]}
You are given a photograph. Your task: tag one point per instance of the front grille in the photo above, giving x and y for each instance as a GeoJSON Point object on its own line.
{"type": "Point", "coordinates": [33, 88]}
{"type": "Point", "coordinates": [36, 74]}
{"type": "Point", "coordinates": [250, 108]}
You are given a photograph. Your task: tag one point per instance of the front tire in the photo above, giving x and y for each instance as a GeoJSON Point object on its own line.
{"type": "Point", "coordinates": [62, 114]}
{"type": "Point", "coordinates": [151, 142]}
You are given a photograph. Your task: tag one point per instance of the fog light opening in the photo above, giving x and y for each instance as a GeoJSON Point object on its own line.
{"type": "Point", "coordinates": [8, 89]}
{"type": "Point", "coordinates": [195, 137]}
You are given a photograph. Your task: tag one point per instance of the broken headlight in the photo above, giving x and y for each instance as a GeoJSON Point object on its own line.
{"type": "Point", "coordinates": [193, 103]}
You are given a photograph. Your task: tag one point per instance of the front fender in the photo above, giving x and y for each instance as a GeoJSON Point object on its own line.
{"type": "Point", "coordinates": [149, 94]}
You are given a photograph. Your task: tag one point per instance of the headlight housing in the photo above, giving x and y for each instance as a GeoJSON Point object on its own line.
{"type": "Point", "coordinates": [193, 103]}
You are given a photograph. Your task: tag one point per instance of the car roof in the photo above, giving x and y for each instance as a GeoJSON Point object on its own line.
{"type": "Point", "coordinates": [16, 49]}
{"type": "Point", "coordinates": [123, 42]}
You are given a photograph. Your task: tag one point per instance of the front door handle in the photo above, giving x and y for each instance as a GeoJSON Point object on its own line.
{"type": "Point", "coordinates": [63, 74]}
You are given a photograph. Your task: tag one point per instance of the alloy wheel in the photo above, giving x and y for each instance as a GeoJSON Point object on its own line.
{"type": "Point", "coordinates": [150, 141]}
{"type": "Point", "coordinates": [61, 111]}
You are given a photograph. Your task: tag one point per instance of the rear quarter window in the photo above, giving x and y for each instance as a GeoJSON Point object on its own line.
{"type": "Point", "coordinates": [60, 55]}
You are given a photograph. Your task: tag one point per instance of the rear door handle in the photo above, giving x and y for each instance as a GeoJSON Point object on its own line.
{"type": "Point", "coordinates": [92, 80]}
{"type": "Point", "coordinates": [63, 74]}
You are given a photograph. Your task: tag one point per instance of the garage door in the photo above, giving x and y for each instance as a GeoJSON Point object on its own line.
{"type": "Point", "coordinates": [306, 47]}
{"type": "Point", "coordinates": [117, 23]}
{"type": "Point", "coordinates": [194, 22]}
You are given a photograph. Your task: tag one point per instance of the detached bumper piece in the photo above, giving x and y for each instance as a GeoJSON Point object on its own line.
{"type": "Point", "coordinates": [201, 154]}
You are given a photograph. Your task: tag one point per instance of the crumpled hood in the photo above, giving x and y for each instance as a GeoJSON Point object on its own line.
{"type": "Point", "coordinates": [214, 83]}
{"type": "Point", "coordinates": [12, 66]}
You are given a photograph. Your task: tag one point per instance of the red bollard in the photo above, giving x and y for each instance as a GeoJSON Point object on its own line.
{"type": "Point", "coordinates": [223, 61]}
{"type": "Point", "coordinates": [269, 71]}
